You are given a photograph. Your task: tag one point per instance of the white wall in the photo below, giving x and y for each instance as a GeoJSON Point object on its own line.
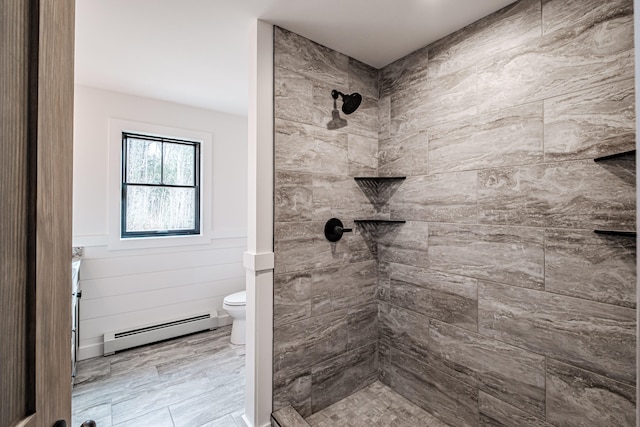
{"type": "Point", "coordinates": [134, 287]}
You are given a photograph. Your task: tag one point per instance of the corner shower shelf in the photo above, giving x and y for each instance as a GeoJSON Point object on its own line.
{"type": "Point", "coordinates": [616, 233]}
{"type": "Point", "coordinates": [379, 189]}
{"type": "Point", "coordinates": [612, 157]}
{"type": "Point", "coordinates": [615, 156]}
{"type": "Point", "coordinates": [377, 179]}
{"type": "Point", "coordinates": [379, 221]}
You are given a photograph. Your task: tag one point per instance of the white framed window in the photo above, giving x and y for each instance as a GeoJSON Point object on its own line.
{"type": "Point", "coordinates": [159, 186]}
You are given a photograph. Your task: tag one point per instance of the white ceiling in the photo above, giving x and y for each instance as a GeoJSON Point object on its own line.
{"type": "Point", "coordinates": [195, 52]}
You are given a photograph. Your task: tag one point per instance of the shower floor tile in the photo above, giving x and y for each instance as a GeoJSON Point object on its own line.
{"type": "Point", "coordinates": [374, 406]}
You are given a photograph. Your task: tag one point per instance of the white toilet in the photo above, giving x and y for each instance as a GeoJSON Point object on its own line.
{"type": "Point", "coordinates": [236, 306]}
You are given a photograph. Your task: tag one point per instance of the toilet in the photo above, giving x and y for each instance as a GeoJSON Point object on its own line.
{"type": "Point", "coordinates": [236, 306]}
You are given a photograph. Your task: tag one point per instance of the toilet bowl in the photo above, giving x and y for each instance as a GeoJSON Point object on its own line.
{"type": "Point", "coordinates": [236, 306]}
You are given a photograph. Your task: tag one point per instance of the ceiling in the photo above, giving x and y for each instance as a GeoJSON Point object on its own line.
{"type": "Point", "coordinates": [195, 52]}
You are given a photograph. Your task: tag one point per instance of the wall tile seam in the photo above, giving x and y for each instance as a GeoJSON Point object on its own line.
{"type": "Point", "coordinates": [431, 76]}
{"type": "Point", "coordinates": [555, 293]}
{"type": "Point", "coordinates": [313, 317]}
{"type": "Point", "coordinates": [615, 81]}
{"type": "Point", "coordinates": [542, 227]}
{"type": "Point", "coordinates": [495, 111]}
{"type": "Point", "coordinates": [560, 93]}
{"type": "Point", "coordinates": [546, 394]}
{"type": "Point", "coordinates": [479, 222]}
{"type": "Point", "coordinates": [536, 44]}
{"type": "Point", "coordinates": [398, 304]}
{"type": "Point", "coordinates": [312, 175]}
{"type": "Point", "coordinates": [302, 73]}
{"type": "Point", "coordinates": [279, 273]}
{"type": "Point", "coordinates": [623, 383]}
{"type": "Point", "coordinates": [606, 83]}
{"type": "Point", "coordinates": [544, 137]}
{"type": "Point", "coordinates": [343, 311]}
{"type": "Point", "coordinates": [481, 334]}
{"type": "Point", "coordinates": [309, 368]}
{"type": "Point", "coordinates": [478, 279]}
{"type": "Point", "coordinates": [478, 388]}
{"type": "Point", "coordinates": [542, 151]}
{"type": "Point", "coordinates": [429, 270]}
{"type": "Point", "coordinates": [544, 269]}
{"type": "Point", "coordinates": [353, 133]}
{"type": "Point", "coordinates": [319, 269]}
{"type": "Point", "coordinates": [490, 338]}
{"type": "Point", "coordinates": [356, 231]}
{"type": "Point", "coordinates": [515, 226]}
{"type": "Point", "coordinates": [429, 319]}
{"type": "Point", "coordinates": [354, 350]}
{"type": "Point", "coordinates": [313, 81]}
{"type": "Point", "coordinates": [323, 269]}
{"type": "Point", "coordinates": [308, 77]}
{"type": "Point", "coordinates": [617, 13]}
{"type": "Point", "coordinates": [489, 60]}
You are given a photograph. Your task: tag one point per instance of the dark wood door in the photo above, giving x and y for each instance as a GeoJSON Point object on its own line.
{"type": "Point", "coordinates": [36, 131]}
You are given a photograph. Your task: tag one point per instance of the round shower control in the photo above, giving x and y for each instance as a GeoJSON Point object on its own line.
{"type": "Point", "coordinates": [334, 229]}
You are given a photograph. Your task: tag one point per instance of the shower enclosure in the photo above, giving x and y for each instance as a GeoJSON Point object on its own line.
{"type": "Point", "coordinates": [495, 303]}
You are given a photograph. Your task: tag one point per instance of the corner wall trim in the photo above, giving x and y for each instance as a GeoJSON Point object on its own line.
{"type": "Point", "coordinates": [258, 262]}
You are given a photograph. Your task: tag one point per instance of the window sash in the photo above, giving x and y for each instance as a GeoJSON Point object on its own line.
{"type": "Point", "coordinates": [125, 184]}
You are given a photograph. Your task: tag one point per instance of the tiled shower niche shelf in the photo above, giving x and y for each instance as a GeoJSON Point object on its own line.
{"type": "Point", "coordinates": [616, 233]}
{"type": "Point", "coordinates": [616, 156]}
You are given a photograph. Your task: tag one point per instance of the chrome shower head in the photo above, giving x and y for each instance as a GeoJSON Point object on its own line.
{"type": "Point", "coordinates": [350, 103]}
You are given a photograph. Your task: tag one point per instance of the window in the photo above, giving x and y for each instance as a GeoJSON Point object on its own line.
{"type": "Point", "coordinates": [160, 186]}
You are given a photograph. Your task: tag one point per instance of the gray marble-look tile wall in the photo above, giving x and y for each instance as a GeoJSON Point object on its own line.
{"type": "Point", "coordinates": [499, 306]}
{"type": "Point", "coordinates": [495, 304]}
{"type": "Point", "coordinates": [325, 309]}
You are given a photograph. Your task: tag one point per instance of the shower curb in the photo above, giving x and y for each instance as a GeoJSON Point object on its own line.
{"type": "Point", "coordinates": [287, 417]}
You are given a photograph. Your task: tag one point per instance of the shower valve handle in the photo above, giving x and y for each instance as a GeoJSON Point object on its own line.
{"type": "Point", "coordinates": [334, 229]}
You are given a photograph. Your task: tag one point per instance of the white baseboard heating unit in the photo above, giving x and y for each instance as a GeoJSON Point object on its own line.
{"type": "Point", "coordinates": [121, 340]}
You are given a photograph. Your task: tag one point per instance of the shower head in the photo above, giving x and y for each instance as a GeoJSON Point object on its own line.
{"type": "Point", "coordinates": [350, 103]}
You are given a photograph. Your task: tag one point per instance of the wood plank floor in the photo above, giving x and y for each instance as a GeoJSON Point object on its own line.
{"type": "Point", "coordinates": [192, 381]}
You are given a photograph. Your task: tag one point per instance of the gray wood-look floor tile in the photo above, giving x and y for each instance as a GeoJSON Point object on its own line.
{"type": "Point", "coordinates": [191, 381]}
{"type": "Point", "coordinates": [158, 418]}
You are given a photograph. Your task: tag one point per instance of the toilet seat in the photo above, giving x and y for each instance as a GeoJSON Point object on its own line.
{"type": "Point", "coordinates": [237, 299]}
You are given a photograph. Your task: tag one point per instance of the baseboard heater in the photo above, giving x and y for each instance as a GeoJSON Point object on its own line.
{"type": "Point", "coordinates": [121, 340]}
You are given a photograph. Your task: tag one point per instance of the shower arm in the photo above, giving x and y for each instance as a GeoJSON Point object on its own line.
{"type": "Point", "coordinates": [337, 229]}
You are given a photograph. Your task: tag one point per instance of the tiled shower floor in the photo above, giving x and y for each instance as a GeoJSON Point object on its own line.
{"type": "Point", "coordinates": [374, 406]}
